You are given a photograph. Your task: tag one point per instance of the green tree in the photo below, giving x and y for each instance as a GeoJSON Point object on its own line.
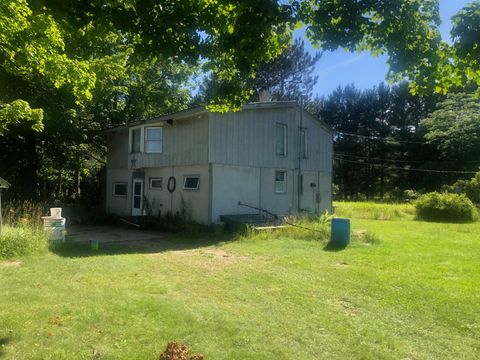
{"type": "Point", "coordinates": [286, 77]}
{"type": "Point", "coordinates": [378, 136]}
{"type": "Point", "coordinates": [454, 129]}
{"type": "Point", "coordinates": [31, 45]}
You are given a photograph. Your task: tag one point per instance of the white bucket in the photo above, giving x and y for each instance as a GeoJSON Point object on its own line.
{"type": "Point", "coordinates": [56, 212]}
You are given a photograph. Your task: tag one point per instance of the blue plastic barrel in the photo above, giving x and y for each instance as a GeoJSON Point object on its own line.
{"type": "Point", "coordinates": [340, 231]}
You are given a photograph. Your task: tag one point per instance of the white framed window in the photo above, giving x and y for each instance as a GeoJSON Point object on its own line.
{"type": "Point", "coordinates": [281, 139]}
{"type": "Point", "coordinates": [120, 189]}
{"type": "Point", "coordinates": [153, 139]}
{"type": "Point", "coordinates": [191, 182]}
{"type": "Point", "coordinates": [304, 144]}
{"type": "Point", "coordinates": [135, 140]}
{"type": "Point", "coordinates": [280, 182]}
{"type": "Point", "coordinates": [156, 183]}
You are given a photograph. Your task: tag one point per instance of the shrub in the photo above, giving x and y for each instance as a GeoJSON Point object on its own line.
{"type": "Point", "coordinates": [471, 188]}
{"type": "Point", "coordinates": [445, 207]}
{"type": "Point", "coordinates": [16, 242]}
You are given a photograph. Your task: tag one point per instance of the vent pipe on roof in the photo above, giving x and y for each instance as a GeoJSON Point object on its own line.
{"type": "Point", "coordinates": [265, 96]}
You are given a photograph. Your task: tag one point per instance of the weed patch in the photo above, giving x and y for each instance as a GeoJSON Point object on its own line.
{"type": "Point", "coordinates": [16, 242]}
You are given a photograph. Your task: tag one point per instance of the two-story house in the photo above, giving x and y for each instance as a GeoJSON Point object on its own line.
{"type": "Point", "coordinates": [272, 155]}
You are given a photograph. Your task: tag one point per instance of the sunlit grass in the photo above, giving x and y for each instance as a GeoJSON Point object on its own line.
{"type": "Point", "coordinates": [374, 211]}
{"type": "Point", "coordinates": [401, 290]}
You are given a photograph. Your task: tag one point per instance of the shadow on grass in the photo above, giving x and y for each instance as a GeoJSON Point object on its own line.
{"type": "Point", "coordinates": [334, 247]}
{"type": "Point", "coordinates": [3, 341]}
{"type": "Point", "coordinates": [171, 242]}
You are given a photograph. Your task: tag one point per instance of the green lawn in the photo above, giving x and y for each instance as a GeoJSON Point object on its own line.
{"type": "Point", "coordinates": [413, 294]}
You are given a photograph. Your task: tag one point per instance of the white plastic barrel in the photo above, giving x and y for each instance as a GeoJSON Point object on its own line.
{"type": "Point", "coordinates": [54, 225]}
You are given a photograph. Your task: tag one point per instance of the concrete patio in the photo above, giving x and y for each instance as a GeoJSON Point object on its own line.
{"type": "Point", "coordinates": [112, 235]}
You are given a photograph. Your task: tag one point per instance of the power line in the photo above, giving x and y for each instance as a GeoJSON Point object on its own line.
{"type": "Point", "coordinates": [401, 161]}
{"type": "Point", "coordinates": [381, 138]}
{"type": "Point", "coordinates": [408, 169]}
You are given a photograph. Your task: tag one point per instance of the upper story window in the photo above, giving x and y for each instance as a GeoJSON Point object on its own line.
{"type": "Point", "coordinates": [281, 139]}
{"type": "Point", "coordinates": [304, 144]}
{"type": "Point", "coordinates": [153, 139]}
{"type": "Point", "coordinates": [136, 136]}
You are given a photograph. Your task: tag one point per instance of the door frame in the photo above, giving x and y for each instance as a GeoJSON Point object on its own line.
{"type": "Point", "coordinates": [136, 211]}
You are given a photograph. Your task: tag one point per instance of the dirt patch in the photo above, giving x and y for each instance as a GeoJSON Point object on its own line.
{"type": "Point", "coordinates": [207, 259]}
{"type": "Point", "coordinates": [8, 263]}
{"type": "Point", "coordinates": [349, 308]}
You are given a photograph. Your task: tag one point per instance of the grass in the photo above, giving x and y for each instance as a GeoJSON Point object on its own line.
{"type": "Point", "coordinates": [20, 241]}
{"type": "Point", "coordinates": [374, 211]}
{"type": "Point", "coordinates": [401, 290]}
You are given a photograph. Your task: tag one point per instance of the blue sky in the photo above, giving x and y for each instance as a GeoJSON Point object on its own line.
{"type": "Point", "coordinates": [343, 68]}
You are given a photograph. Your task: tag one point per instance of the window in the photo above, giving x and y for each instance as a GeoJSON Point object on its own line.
{"type": "Point", "coordinates": [280, 182]}
{"type": "Point", "coordinates": [153, 139]}
{"type": "Point", "coordinates": [135, 136]}
{"type": "Point", "coordinates": [191, 182]}
{"type": "Point", "coordinates": [120, 189]}
{"type": "Point", "coordinates": [156, 183]}
{"type": "Point", "coordinates": [281, 140]}
{"type": "Point", "coordinates": [301, 184]}
{"type": "Point", "coordinates": [304, 144]}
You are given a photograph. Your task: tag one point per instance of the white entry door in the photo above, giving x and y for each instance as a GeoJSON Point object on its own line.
{"type": "Point", "coordinates": [137, 197]}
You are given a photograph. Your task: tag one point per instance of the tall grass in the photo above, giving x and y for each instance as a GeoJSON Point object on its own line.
{"type": "Point", "coordinates": [16, 242]}
{"type": "Point", "coordinates": [374, 211]}
{"type": "Point", "coordinates": [24, 214]}
{"type": "Point", "coordinates": [300, 227]}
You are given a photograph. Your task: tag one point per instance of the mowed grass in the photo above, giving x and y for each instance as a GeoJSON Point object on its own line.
{"type": "Point", "coordinates": [411, 294]}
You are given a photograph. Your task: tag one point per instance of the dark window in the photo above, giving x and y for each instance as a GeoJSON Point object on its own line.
{"type": "Point", "coordinates": [304, 139]}
{"type": "Point", "coordinates": [137, 202]}
{"type": "Point", "coordinates": [120, 189]}
{"type": "Point", "coordinates": [156, 183]}
{"type": "Point", "coordinates": [280, 182]}
{"type": "Point", "coordinates": [136, 135]}
{"type": "Point", "coordinates": [191, 182]}
{"type": "Point", "coordinates": [281, 140]}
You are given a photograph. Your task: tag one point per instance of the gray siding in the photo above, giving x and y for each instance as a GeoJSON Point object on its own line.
{"type": "Point", "coordinates": [247, 138]}
{"type": "Point", "coordinates": [184, 143]}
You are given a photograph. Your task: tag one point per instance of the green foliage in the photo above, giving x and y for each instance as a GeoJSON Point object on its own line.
{"type": "Point", "coordinates": [454, 128]}
{"type": "Point", "coordinates": [286, 77]}
{"type": "Point", "coordinates": [444, 207]}
{"type": "Point", "coordinates": [374, 211]}
{"type": "Point", "coordinates": [17, 111]}
{"type": "Point", "coordinates": [405, 30]}
{"type": "Point", "coordinates": [19, 241]}
{"type": "Point", "coordinates": [466, 63]}
{"type": "Point", "coordinates": [471, 188]}
{"type": "Point", "coordinates": [379, 136]}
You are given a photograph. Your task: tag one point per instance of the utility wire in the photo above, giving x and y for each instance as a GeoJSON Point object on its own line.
{"type": "Point", "coordinates": [401, 161]}
{"type": "Point", "coordinates": [381, 138]}
{"type": "Point", "coordinates": [407, 169]}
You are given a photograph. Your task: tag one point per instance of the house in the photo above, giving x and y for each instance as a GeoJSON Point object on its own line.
{"type": "Point", "coordinates": [271, 155]}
